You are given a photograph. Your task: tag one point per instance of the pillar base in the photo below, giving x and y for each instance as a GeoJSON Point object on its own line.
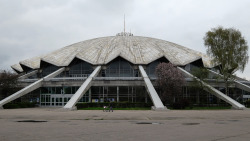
{"type": "Point", "coordinates": [240, 108]}
{"type": "Point", "coordinates": [70, 109]}
{"type": "Point", "coordinates": [159, 108]}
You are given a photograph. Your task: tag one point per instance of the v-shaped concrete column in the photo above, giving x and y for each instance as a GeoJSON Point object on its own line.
{"type": "Point", "coordinates": [29, 88]}
{"type": "Point", "coordinates": [237, 83]}
{"type": "Point", "coordinates": [82, 90]}
{"type": "Point", "coordinates": [28, 74]}
{"type": "Point", "coordinates": [216, 92]}
{"type": "Point", "coordinates": [151, 90]}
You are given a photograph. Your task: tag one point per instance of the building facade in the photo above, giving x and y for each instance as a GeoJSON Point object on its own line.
{"type": "Point", "coordinates": [117, 68]}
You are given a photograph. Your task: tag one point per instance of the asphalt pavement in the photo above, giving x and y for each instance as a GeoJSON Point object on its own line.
{"type": "Point", "coordinates": [45, 124]}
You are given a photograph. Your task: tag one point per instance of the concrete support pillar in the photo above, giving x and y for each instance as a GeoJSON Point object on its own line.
{"type": "Point", "coordinates": [132, 94]}
{"type": "Point", "coordinates": [90, 93]}
{"type": "Point", "coordinates": [29, 88]}
{"type": "Point", "coordinates": [28, 74]}
{"type": "Point", "coordinates": [151, 90]}
{"type": "Point", "coordinates": [82, 90]}
{"type": "Point", "coordinates": [216, 92]}
{"type": "Point", "coordinates": [237, 83]}
{"type": "Point", "coordinates": [117, 93]}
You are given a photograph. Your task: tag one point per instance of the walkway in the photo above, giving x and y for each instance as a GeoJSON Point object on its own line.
{"type": "Point", "coordinates": [56, 124]}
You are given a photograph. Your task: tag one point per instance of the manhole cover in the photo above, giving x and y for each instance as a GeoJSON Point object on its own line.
{"type": "Point", "coordinates": [148, 123]}
{"type": "Point", "coordinates": [233, 120]}
{"type": "Point", "coordinates": [190, 123]}
{"type": "Point", "coordinates": [220, 123]}
{"type": "Point", "coordinates": [64, 121]}
{"type": "Point", "coordinates": [31, 121]}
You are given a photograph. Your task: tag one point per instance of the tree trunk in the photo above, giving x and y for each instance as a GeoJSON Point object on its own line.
{"type": "Point", "coordinates": [226, 89]}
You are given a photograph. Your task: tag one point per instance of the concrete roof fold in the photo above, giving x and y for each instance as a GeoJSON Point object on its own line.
{"type": "Point", "coordinates": [135, 49]}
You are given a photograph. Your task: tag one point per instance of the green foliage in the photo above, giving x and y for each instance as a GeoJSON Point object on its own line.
{"type": "Point", "coordinates": [229, 50]}
{"type": "Point", "coordinates": [19, 105]}
{"type": "Point", "coordinates": [182, 104]}
{"type": "Point", "coordinates": [247, 103]}
{"type": "Point", "coordinates": [207, 108]}
{"type": "Point", "coordinates": [101, 108]}
{"type": "Point", "coordinates": [201, 74]}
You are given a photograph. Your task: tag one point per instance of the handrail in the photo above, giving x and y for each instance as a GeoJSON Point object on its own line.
{"type": "Point", "coordinates": [65, 78]}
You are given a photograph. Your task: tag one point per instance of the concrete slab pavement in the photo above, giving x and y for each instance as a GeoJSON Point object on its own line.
{"type": "Point", "coordinates": [173, 125]}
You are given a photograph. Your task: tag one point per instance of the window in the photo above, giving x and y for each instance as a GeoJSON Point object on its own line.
{"type": "Point", "coordinates": [79, 68]}
{"type": "Point", "coordinates": [119, 68]}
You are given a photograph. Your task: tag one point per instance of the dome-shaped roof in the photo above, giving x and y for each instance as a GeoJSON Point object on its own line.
{"type": "Point", "coordinates": [135, 49]}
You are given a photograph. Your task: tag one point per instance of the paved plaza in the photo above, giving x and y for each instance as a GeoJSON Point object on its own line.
{"type": "Point", "coordinates": [173, 125]}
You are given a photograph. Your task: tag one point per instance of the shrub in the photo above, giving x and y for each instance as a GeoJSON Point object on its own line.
{"type": "Point", "coordinates": [247, 103]}
{"type": "Point", "coordinates": [182, 104]}
{"type": "Point", "coordinates": [114, 104]}
{"type": "Point", "coordinates": [19, 105]}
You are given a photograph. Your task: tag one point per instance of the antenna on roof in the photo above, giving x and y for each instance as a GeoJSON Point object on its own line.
{"type": "Point", "coordinates": [124, 23]}
{"type": "Point", "coordinates": [124, 33]}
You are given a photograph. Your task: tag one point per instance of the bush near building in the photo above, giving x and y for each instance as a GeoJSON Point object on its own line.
{"type": "Point", "coordinates": [19, 105]}
{"type": "Point", "coordinates": [114, 104]}
{"type": "Point", "coordinates": [247, 103]}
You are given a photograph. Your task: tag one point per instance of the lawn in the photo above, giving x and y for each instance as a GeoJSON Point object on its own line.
{"type": "Point", "coordinates": [149, 108]}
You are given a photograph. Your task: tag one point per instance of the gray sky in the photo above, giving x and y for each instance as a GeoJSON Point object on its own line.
{"type": "Point", "coordinates": [30, 28]}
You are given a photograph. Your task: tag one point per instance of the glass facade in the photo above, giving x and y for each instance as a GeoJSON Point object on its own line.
{"type": "Point", "coordinates": [151, 68]}
{"type": "Point", "coordinates": [48, 70]}
{"type": "Point", "coordinates": [59, 96]}
{"type": "Point", "coordinates": [119, 94]}
{"type": "Point", "coordinates": [80, 69]}
{"type": "Point", "coordinates": [120, 68]}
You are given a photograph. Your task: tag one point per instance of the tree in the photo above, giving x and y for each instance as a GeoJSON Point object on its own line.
{"type": "Point", "coordinates": [169, 81]}
{"type": "Point", "coordinates": [201, 74]}
{"type": "Point", "coordinates": [8, 83]}
{"type": "Point", "coordinates": [228, 49]}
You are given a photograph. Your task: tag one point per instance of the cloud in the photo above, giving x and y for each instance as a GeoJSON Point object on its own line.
{"type": "Point", "coordinates": [31, 28]}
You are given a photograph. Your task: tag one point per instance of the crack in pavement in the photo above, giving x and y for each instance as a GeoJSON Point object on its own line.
{"type": "Point", "coordinates": [227, 137]}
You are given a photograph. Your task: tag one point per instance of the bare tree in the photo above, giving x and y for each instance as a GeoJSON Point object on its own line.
{"type": "Point", "coordinates": [8, 83]}
{"type": "Point", "coordinates": [169, 81]}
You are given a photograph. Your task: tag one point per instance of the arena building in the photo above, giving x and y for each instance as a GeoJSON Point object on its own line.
{"type": "Point", "coordinates": [116, 68]}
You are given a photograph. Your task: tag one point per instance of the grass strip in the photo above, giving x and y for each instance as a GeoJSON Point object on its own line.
{"type": "Point", "coordinates": [100, 108]}
{"type": "Point", "coordinates": [203, 108]}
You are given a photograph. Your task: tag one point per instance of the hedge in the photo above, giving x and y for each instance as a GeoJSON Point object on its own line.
{"type": "Point", "coordinates": [19, 105]}
{"type": "Point", "coordinates": [247, 103]}
{"type": "Point", "coordinates": [114, 105]}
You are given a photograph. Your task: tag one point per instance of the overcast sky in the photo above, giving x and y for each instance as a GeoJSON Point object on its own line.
{"type": "Point", "coordinates": [30, 28]}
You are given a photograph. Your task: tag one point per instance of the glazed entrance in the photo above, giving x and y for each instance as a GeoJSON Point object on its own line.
{"type": "Point", "coordinates": [59, 96]}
